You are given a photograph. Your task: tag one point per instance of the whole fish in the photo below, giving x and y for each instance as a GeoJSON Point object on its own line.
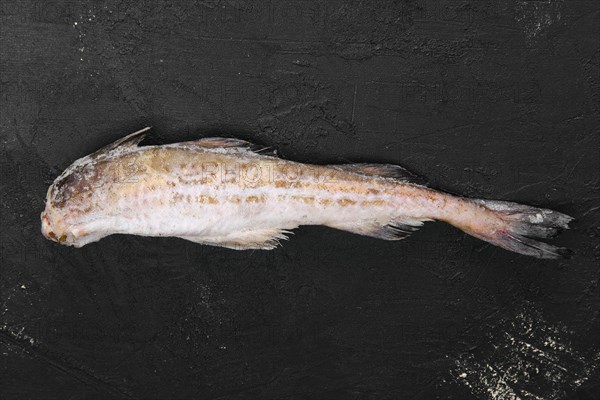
{"type": "Point", "coordinates": [231, 193]}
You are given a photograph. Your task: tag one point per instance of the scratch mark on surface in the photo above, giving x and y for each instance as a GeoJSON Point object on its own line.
{"type": "Point", "coordinates": [354, 101]}
{"type": "Point", "coordinates": [26, 344]}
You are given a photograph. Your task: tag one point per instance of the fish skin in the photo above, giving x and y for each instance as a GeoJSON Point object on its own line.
{"type": "Point", "coordinates": [229, 193]}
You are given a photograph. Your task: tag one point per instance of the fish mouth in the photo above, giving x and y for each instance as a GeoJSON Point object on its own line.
{"type": "Point", "coordinates": [49, 229]}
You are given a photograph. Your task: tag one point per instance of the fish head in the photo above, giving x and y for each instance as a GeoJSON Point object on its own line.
{"type": "Point", "coordinates": [72, 205]}
{"type": "Point", "coordinates": [78, 200]}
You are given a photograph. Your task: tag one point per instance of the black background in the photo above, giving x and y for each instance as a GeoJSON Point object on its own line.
{"type": "Point", "coordinates": [494, 99]}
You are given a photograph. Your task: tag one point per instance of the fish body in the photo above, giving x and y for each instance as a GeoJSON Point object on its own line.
{"type": "Point", "coordinates": [229, 193]}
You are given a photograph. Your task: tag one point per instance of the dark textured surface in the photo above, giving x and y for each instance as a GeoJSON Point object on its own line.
{"type": "Point", "coordinates": [492, 99]}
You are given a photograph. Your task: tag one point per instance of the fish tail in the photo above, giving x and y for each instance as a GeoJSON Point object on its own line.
{"type": "Point", "coordinates": [514, 227]}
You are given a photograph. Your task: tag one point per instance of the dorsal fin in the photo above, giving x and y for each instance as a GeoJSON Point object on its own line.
{"type": "Point", "coordinates": [383, 170]}
{"type": "Point", "coordinates": [220, 142]}
{"type": "Point", "coordinates": [228, 143]}
{"type": "Point", "coordinates": [130, 140]}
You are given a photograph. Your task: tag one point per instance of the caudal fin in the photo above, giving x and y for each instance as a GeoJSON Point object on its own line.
{"type": "Point", "coordinates": [516, 226]}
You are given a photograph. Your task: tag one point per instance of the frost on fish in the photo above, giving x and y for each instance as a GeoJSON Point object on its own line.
{"type": "Point", "coordinates": [231, 193]}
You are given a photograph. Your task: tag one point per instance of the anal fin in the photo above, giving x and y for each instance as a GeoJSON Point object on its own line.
{"type": "Point", "coordinates": [261, 239]}
{"type": "Point", "coordinates": [390, 230]}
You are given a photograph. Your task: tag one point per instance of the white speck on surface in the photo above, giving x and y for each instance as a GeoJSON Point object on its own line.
{"type": "Point", "coordinates": [535, 17]}
{"type": "Point", "coordinates": [17, 333]}
{"type": "Point", "coordinates": [525, 357]}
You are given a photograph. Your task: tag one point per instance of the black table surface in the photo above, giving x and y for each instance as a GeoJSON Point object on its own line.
{"type": "Point", "coordinates": [496, 99]}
